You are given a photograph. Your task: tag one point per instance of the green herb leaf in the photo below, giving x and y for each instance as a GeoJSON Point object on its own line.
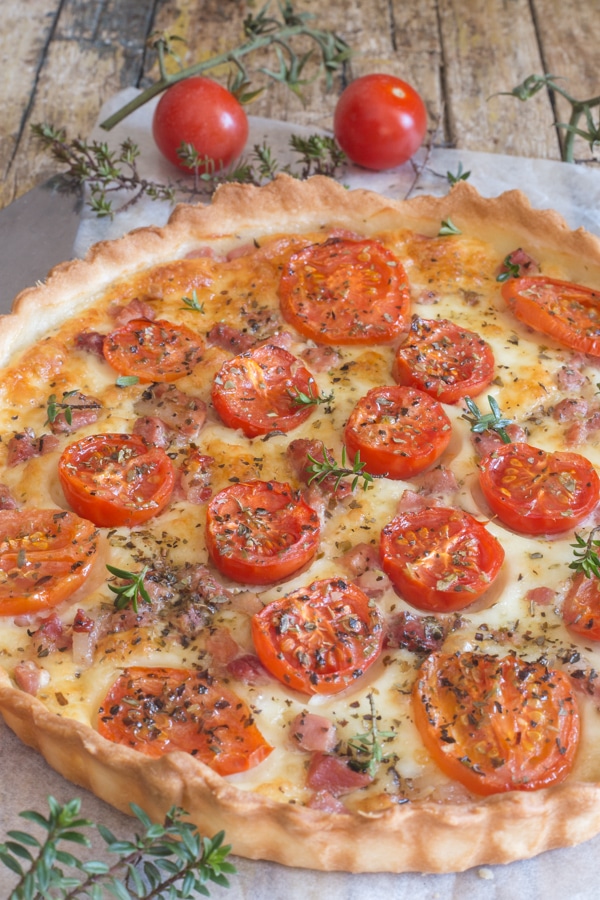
{"type": "Point", "coordinates": [131, 590]}
{"type": "Point", "coordinates": [368, 747]}
{"type": "Point", "coordinates": [448, 227]}
{"type": "Point", "coordinates": [319, 471]}
{"type": "Point", "coordinates": [124, 381]}
{"type": "Point", "coordinates": [492, 421]}
{"type": "Point", "coordinates": [585, 551]}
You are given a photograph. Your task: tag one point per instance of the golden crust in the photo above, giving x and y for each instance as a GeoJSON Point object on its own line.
{"type": "Point", "coordinates": [420, 836]}
{"type": "Point", "coordinates": [416, 836]}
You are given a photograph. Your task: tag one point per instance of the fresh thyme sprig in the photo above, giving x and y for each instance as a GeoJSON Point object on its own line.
{"type": "Point", "coordinates": [103, 170]}
{"type": "Point", "coordinates": [368, 746]}
{"type": "Point", "coordinates": [460, 175]}
{"type": "Point", "coordinates": [510, 269]}
{"type": "Point", "coordinates": [585, 551]}
{"type": "Point", "coordinates": [320, 470]}
{"type": "Point", "coordinates": [261, 31]}
{"type": "Point", "coordinates": [54, 407]}
{"type": "Point", "coordinates": [165, 861]}
{"type": "Point", "coordinates": [131, 590]}
{"type": "Point", "coordinates": [580, 110]}
{"type": "Point", "coordinates": [310, 399]}
{"type": "Point", "coordinates": [86, 165]}
{"type": "Point", "coordinates": [492, 421]}
{"type": "Point", "coordinates": [448, 227]}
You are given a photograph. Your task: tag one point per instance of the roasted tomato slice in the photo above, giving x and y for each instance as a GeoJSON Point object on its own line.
{"type": "Point", "coordinates": [116, 479]}
{"type": "Point", "coordinates": [569, 313]}
{"type": "Point", "coordinates": [444, 360]}
{"type": "Point", "coordinates": [581, 609]}
{"type": "Point", "coordinates": [535, 492]}
{"type": "Point", "coordinates": [45, 556]}
{"type": "Point", "coordinates": [261, 391]}
{"type": "Point", "coordinates": [159, 710]}
{"type": "Point", "coordinates": [259, 532]}
{"type": "Point", "coordinates": [440, 559]}
{"type": "Point", "coordinates": [153, 351]}
{"type": "Point", "coordinates": [345, 292]}
{"type": "Point", "coordinates": [496, 724]}
{"type": "Point", "coordinates": [319, 639]}
{"type": "Point", "coordinates": [398, 431]}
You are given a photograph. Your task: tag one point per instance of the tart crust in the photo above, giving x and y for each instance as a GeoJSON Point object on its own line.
{"type": "Point", "coordinates": [422, 836]}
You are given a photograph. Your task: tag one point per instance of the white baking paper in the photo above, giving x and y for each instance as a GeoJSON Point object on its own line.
{"type": "Point", "coordinates": [26, 780]}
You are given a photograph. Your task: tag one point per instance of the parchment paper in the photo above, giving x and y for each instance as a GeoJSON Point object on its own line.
{"type": "Point", "coordinates": [27, 780]}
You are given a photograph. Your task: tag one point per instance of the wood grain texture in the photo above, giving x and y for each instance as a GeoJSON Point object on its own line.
{"type": "Point", "coordinates": [63, 58]}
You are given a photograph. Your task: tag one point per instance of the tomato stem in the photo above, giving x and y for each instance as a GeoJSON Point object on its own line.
{"type": "Point", "coordinates": [261, 32]}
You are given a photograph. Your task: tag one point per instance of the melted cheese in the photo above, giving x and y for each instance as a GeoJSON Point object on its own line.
{"type": "Point", "coordinates": [450, 278]}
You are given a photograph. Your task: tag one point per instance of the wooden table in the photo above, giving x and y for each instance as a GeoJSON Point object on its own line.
{"type": "Point", "coordinates": [63, 58]}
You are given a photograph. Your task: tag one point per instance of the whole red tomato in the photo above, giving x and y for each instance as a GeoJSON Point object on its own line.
{"type": "Point", "coordinates": [380, 121]}
{"type": "Point", "coordinates": [200, 112]}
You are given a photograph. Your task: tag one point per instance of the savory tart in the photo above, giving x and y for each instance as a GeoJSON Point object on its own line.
{"type": "Point", "coordinates": [298, 510]}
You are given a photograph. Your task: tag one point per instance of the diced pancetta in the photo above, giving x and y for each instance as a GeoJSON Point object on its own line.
{"type": "Point", "coordinates": [332, 774]}
{"type": "Point", "coordinates": [135, 309]}
{"type": "Point", "coordinates": [311, 732]}
{"type": "Point", "coordinates": [91, 342]}
{"type": "Point", "coordinates": [29, 677]}
{"type": "Point", "coordinates": [419, 634]}
{"type": "Point", "coordinates": [82, 410]}
{"type": "Point", "coordinates": [25, 445]}
{"type": "Point", "coordinates": [183, 414]}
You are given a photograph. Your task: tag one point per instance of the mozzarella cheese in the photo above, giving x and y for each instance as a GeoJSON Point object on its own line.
{"type": "Point", "coordinates": [450, 277]}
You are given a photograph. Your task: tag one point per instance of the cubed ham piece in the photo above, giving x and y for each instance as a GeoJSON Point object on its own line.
{"type": "Point", "coordinates": [25, 445]}
{"type": "Point", "coordinates": [91, 342]}
{"type": "Point", "coordinates": [332, 774]}
{"type": "Point", "coordinates": [29, 677]}
{"type": "Point", "coordinates": [312, 732]}
{"type": "Point", "coordinates": [135, 309]}
{"type": "Point", "coordinates": [75, 410]}
{"type": "Point", "coordinates": [183, 414]}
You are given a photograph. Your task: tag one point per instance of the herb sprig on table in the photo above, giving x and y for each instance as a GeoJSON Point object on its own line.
{"type": "Point", "coordinates": [581, 122]}
{"type": "Point", "coordinates": [261, 31]}
{"type": "Point", "coordinates": [105, 171]}
{"type": "Point", "coordinates": [163, 861]}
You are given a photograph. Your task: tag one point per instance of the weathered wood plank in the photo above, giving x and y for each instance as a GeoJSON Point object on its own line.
{"type": "Point", "coordinates": [26, 28]}
{"type": "Point", "coordinates": [490, 46]}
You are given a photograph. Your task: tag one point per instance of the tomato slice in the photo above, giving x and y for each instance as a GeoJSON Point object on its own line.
{"type": "Point", "coordinates": [496, 724]}
{"type": "Point", "coordinates": [440, 559]}
{"type": "Point", "coordinates": [259, 532]}
{"type": "Point", "coordinates": [160, 710]}
{"type": "Point", "coordinates": [444, 360]}
{"type": "Point", "coordinates": [319, 639]}
{"type": "Point", "coordinates": [116, 479]}
{"type": "Point", "coordinates": [258, 391]}
{"type": "Point", "coordinates": [535, 492]}
{"type": "Point", "coordinates": [153, 351]}
{"type": "Point", "coordinates": [45, 556]}
{"type": "Point", "coordinates": [567, 312]}
{"type": "Point", "coordinates": [581, 609]}
{"type": "Point", "coordinates": [398, 431]}
{"type": "Point", "coordinates": [345, 292]}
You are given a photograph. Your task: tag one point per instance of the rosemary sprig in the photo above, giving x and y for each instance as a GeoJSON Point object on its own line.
{"type": "Point", "coordinates": [131, 590]}
{"type": "Point", "coordinates": [368, 746]}
{"type": "Point", "coordinates": [165, 861]}
{"type": "Point", "coordinates": [320, 470]}
{"type": "Point", "coordinates": [261, 31]}
{"type": "Point", "coordinates": [193, 303]}
{"type": "Point", "coordinates": [492, 421]}
{"type": "Point", "coordinates": [580, 110]}
{"type": "Point", "coordinates": [585, 551]}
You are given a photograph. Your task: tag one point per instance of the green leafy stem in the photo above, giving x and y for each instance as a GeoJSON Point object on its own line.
{"type": "Point", "coordinates": [167, 861]}
{"type": "Point", "coordinates": [580, 110]}
{"type": "Point", "coordinates": [260, 31]}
